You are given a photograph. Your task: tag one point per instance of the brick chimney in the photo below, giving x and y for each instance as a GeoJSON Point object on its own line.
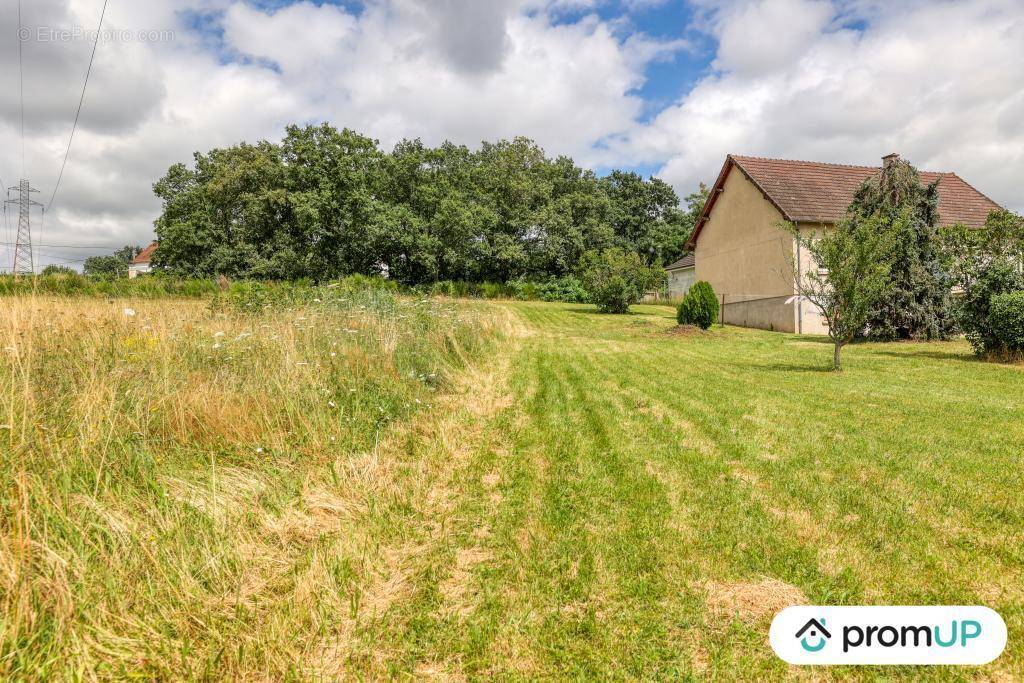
{"type": "Point", "coordinates": [890, 159]}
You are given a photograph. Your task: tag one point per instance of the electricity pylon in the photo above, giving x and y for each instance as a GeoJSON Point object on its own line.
{"type": "Point", "coordinates": [24, 259]}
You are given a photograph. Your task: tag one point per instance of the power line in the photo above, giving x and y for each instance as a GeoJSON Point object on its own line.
{"type": "Point", "coordinates": [81, 100]}
{"type": "Point", "coordinates": [21, 80]}
{"type": "Point", "coordinates": [71, 246]}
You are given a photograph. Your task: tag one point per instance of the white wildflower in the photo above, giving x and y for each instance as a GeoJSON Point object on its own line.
{"type": "Point", "coordinates": [216, 346]}
{"type": "Point", "coordinates": [129, 312]}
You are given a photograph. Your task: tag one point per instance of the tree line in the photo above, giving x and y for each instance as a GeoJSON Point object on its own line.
{"type": "Point", "coordinates": [325, 203]}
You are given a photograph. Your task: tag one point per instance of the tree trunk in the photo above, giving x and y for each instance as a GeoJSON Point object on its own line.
{"type": "Point", "coordinates": [836, 361]}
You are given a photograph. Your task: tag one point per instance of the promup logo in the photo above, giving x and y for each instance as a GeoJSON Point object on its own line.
{"type": "Point", "coordinates": [888, 635]}
{"type": "Point", "coordinates": [815, 632]}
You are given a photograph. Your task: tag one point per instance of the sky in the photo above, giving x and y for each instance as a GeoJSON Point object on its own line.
{"type": "Point", "coordinates": [663, 87]}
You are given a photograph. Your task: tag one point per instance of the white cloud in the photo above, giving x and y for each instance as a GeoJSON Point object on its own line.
{"type": "Point", "coordinates": [939, 83]}
{"type": "Point", "coordinates": [456, 69]}
{"type": "Point", "coordinates": [849, 80]}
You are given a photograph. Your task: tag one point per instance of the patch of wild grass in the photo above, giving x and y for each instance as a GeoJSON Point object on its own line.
{"type": "Point", "coordinates": [165, 466]}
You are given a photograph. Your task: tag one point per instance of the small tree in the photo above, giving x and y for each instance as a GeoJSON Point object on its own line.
{"type": "Point", "coordinates": [617, 279]}
{"type": "Point", "coordinates": [849, 276]}
{"type": "Point", "coordinates": [699, 307]}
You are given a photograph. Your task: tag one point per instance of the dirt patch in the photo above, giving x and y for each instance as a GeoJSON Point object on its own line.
{"type": "Point", "coordinates": [685, 331]}
{"type": "Point", "coordinates": [753, 601]}
{"type": "Point", "coordinates": [436, 671]}
{"type": "Point", "coordinates": [457, 588]}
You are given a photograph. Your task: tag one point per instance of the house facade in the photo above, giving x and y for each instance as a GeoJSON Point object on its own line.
{"type": "Point", "coordinates": [742, 251]}
{"type": "Point", "coordinates": [142, 264]}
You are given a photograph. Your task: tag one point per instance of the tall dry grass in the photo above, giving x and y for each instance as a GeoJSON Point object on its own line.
{"type": "Point", "coordinates": [190, 492]}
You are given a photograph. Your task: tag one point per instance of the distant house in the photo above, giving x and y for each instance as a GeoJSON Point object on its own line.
{"type": "Point", "coordinates": [748, 259]}
{"type": "Point", "coordinates": [681, 276]}
{"type": "Point", "coordinates": [142, 263]}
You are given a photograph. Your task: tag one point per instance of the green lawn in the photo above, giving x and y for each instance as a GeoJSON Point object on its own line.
{"type": "Point", "coordinates": [572, 496]}
{"type": "Point", "coordinates": [645, 502]}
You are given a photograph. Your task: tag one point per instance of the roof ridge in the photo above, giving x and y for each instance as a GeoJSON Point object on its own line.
{"type": "Point", "coordinates": [804, 161]}
{"type": "Point", "coordinates": [833, 164]}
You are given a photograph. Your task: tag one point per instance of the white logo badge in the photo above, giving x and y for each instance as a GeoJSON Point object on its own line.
{"type": "Point", "coordinates": [888, 635]}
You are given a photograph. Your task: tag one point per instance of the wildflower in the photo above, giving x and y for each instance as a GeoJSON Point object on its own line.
{"type": "Point", "coordinates": [129, 312]}
{"type": "Point", "coordinates": [332, 404]}
{"type": "Point", "coordinates": [216, 346]}
{"type": "Point", "coordinates": [259, 450]}
{"type": "Point", "coordinates": [333, 355]}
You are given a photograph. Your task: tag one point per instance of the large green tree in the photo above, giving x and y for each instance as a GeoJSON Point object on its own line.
{"type": "Point", "coordinates": [324, 203]}
{"type": "Point", "coordinates": [917, 305]}
{"type": "Point", "coordinates": [646, 217]}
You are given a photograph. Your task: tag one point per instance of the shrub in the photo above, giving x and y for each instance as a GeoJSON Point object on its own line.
{"type": "Point", "coordinates": [54, 269]}
{"type": "Point", "coordinates": [996, 278]}
{"type": "Point", "coordinates": [699, 306]}
{"type": "Point", "coordinates": [567, 289]}
{"type": "Point", "coordinates": [1006, 321]}
{"type": "Point", "coordinates": [615, 279]}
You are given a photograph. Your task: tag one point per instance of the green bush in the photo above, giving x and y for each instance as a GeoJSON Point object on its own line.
{"type": "Point", "coordinates": [567, 289]}
{"type": "Point", "coordinates": [699, 307]}
{"type": "Point", "coordinates": [1006, 321]}
{"type": "Point", "coordinates": [615, 279]}
{"type": "Point", "coordinates": [998, 277]}
{"type": "Point", "coordinates": [54, 269]}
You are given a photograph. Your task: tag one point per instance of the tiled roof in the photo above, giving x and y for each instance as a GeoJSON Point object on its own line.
{"type": "Point", "coordinates": [146, 255]}
{"type": "Point", "coordinates": [688, 261]}
{"type": "Point", "coordinates": [814, 192]}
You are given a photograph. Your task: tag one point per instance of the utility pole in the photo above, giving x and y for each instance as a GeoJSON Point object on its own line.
{"type": "Point", "coordinates": [24, 259]}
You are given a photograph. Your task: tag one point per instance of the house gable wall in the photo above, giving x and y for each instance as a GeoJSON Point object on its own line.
{"type": "Point", "coordinates": [745, 255]}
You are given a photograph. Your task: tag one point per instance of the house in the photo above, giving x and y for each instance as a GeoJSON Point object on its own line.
{"type": "Point", "coordinates": [681, 276]}
{"type": "Point", "coordinates": [142, 264]}
{"type": "Point", "coordinates": [749, 259]}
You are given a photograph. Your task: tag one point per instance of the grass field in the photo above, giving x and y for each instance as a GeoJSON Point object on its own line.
{"type": "Point", "coordinates": [584, 496]}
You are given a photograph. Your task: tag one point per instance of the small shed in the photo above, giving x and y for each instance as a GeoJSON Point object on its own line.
{"type": "Point", "coordinates": [681, 276]}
